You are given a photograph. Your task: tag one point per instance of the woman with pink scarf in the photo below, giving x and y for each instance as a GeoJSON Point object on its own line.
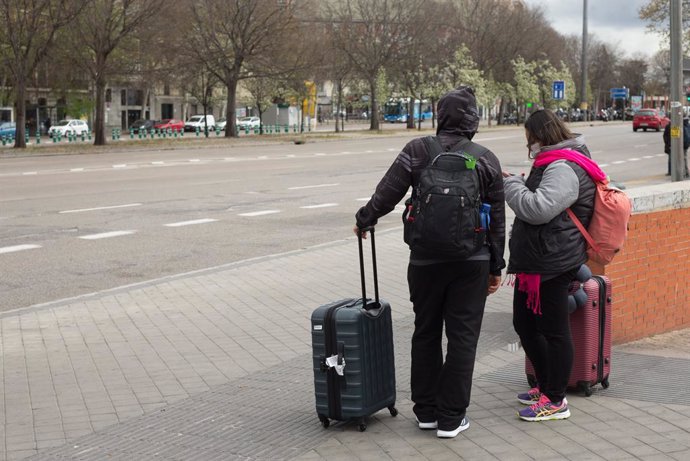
{"type": "Point", "coordinates": [546, 250]}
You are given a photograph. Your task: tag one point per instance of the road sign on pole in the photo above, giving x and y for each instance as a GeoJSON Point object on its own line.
{"type": "Point", "coordinates": [558, 89]}
{"type": "Point", "coordinates": [620, 93]}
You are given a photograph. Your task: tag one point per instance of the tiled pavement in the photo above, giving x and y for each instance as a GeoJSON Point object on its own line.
{"type": "Point", "coordinates": [215, 364]}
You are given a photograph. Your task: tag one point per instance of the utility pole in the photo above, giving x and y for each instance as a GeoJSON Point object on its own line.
{"type": "Point", "coordinates": [677, 158]}
{"type": "Point", "coordinates": [583, 62]}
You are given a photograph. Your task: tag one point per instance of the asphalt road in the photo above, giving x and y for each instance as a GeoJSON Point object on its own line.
{"type": "Point", "coordinates": [76, 224]}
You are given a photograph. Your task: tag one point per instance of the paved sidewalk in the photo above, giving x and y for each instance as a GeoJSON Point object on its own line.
{"type": "Point", "coordinates": [216, 364]}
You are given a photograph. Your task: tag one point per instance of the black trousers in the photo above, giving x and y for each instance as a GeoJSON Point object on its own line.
{"type": "Point", "coordinates": [546, 337]}
{"type": "Point", "coordinates": [453, 293]}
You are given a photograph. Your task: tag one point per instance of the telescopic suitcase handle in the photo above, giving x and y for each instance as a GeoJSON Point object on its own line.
{"type": "Point", "coordinates": [361, 266]}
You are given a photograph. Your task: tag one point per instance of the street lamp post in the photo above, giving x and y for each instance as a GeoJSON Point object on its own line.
{"type": "Point", "coordinates": [583, 63]}
{"type": "Point", "coordinates": [677, 160]}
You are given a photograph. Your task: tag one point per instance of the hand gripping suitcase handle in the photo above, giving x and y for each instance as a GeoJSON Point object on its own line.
{"type": "Point", "coordinates": [373, 262]}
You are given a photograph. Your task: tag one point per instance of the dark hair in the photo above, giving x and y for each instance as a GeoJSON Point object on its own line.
{"type": "Point", "coordinates": [544, 127]}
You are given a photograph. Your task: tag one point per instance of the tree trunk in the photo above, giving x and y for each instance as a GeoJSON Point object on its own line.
{"type": "Point", "coordinates": [433, 113]}
{"type": "Point", "coordinates": [410, 114]}
{"type": "Point", "coordinates": [374, 125]}
{"type": "Point", "coordinates": [501, 111]}
{"type": "Point", "coordinates": [231, 127]}
{"type": "Point", "coordinates": [20, 120]}
{"type": "Point", "coordinates": [99, 125]}
{"type": "Point", "coordinates": [337, 109]}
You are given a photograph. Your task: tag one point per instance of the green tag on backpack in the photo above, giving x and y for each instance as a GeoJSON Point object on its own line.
{"type": "Point", "coordinates": [470, 162]}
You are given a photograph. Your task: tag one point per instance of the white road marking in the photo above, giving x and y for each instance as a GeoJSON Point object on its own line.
{"type": "Point", "coordinates": [189, 223]}
{"type": "Point", "coordinates": [30, 173]}
{"type": "Point", "coordinates": [14, 248]}
{"type": "Point", "coordinates": [618, 162]}
{"type": "Point", "coordinates": [660, 155]}
{"type": "Point", "coordinates": [120, 165]}
{"type": "Point", "coordinates": [106, 235]}
{"type": "Point", "coordinates": [262, 157]}
{"type": "Point", "coordinates": [259, 213]}
{"type": "Point", "coordinates": [322, 205]}
{"type": "Point", "coordinates": [634, 159]}
{"type": "Point", "coordinates": [158, 163]}
{"type": "Point", "coordinates": [497, 138]}
{"type": "Point", "coordinates": [76, 169]}
{"type": "Point", "coordinates": [648, 156]}
{"type": "Point", "coordinates": [346, 152]}
{"type": "Point", "coordinates": [314, 186]}
{"type": "Point", "coordinates": [193, 160]}
{"type": "Point", "coordinates": [596, 152]}
{"type": "Point", "coordinates": [365, 199]}
{"type": "Point", "coordinates": [640, 145]}
{"type": "Point", "coordinates": [100, 208]}
{"type": "Point", "coordinates": [290, 156]}
{"type": "Point", "coordinates": [391, 150]}
{"type": "Point", "coordinates": [602, 165]}
{"type": "Point", "coordinates": [319, 154]}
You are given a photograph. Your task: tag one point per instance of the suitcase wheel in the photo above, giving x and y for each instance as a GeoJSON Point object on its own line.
{"type": "Point", "coordinates": [393, 410]}
{"type": "Point", "coordinates": [324, 421]}
{"type": "Point", "coordinates": [362, 425]}
{"type": "Point", "coordinates": [586, 388]}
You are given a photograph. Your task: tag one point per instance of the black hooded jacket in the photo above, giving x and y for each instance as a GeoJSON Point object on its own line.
{"type": "Point", "coordinates": [458, 118]}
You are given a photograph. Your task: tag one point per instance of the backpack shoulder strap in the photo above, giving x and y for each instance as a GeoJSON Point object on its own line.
{"type": "Point", "coordinates": [582, 229]}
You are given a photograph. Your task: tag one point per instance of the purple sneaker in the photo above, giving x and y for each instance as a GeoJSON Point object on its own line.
{"type": "Point", "coordinates": [545, 410]}
{"type": "Point", "coordinates": [531, 396]}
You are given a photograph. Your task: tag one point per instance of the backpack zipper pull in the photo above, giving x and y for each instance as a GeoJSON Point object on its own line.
{"type": "Point", "coordinates": [462, 201]}
{"type": "Point", "coordinates": [428, 197]}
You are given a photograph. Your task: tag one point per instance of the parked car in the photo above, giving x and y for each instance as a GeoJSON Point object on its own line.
{"type": "Point", "coordinates": [248, 122]}
{"type": "Point", "coordinates": [66, 127]}
{"type": "Point", "coordinates": [220, 123]}
{"type": "Point", "coordinates": [142, 124]}
{"type": "Point", "coordinates": [649, 118]}
{"type": "Point", "coordinates": [197, 121]}
{"type": "Point", "coordinates": [8, 130]}
{"type": "Point", "coordinates": [170, 123]}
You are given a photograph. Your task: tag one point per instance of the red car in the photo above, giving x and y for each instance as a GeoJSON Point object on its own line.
{"type": "Point", "coordinates": [649, 118]}
{"type": "Point", "coordinates": [173, 124]}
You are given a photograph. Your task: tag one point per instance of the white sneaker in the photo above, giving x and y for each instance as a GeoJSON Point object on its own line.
{"type": "Point", "coordinates": [464, 425]}
{"type": "Point", "coordinates": [429, 425]}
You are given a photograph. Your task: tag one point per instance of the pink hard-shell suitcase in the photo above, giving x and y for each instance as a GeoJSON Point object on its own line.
{"type": "Point", "coordinates": [590, 327]}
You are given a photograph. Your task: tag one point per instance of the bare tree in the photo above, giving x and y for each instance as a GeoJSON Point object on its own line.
{"type": "Point", "coordinates": [97, 40]}
{"type": "Point", "coordinates": [372, 34]}
{"type": "Point", "coordinates": [239, 39]}
{"type": "Point", "coordinates": [27, 30]}
{"type": "Point", "coordinates": [263, 91]}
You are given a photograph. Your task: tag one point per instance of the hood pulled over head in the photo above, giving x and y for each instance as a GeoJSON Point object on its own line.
{"type": "Point", "coordinates": [457, 112]}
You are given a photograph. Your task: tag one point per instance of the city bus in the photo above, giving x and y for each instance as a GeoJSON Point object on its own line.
{"type": "Point", "coordinates": [395, 110]}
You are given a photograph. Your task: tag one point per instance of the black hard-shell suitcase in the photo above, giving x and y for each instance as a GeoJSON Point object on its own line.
{"type": "Point", "coordinates": [352, 341]}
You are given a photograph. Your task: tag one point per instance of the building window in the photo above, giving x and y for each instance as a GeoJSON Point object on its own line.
{"type": "Point", "coordinates": [166, 90]}
{"type": "Point", "coordinates": [108, 95]}
{"type": "Point", "coordinates": [123, 97]}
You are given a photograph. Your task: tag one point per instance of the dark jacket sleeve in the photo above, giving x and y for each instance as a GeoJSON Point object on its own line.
{"type": "Point", "coordinates": [389, 191]}
{"type": "Point", "coordinates": [667, 139]}
{"type": "Point", "coordinates": [490, 172]}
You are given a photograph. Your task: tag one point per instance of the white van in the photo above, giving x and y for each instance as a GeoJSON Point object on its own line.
{"type": "Point", "coordinates": [197, 121]}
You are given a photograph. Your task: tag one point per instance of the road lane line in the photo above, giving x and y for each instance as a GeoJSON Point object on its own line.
{"type": "Point", "coordinates": [120, 165]}
{"type": "Point", "coordinates": [259, 213]}
{"type": "Point", "coordinates": [190, 223]}
{"type": "Point", "coordinates": [602, 165]}
{"type": "Point", "coordinates": [194, 160]}
{"type": "Point", "coordinates": [321, 205]}
{"type": "Point", "coordinates": [648, 156]}
{"type": "Point", "coordinates": [618, 162]}
{"type": "Point", "coordinates": [29, 173]}
{"type": "Point", "coordinates": [158, 163]}
{"type": "Point", "coordinates": [364, 199]}
{"type": "Point", "coordinates": [106, 235]}
{"type": "Point", "coordinates": [314, 186]}
{"type": "Point", "coordinates": [100, 208]}
{"type": "Point", "coordinates": [14, 248]}
{"type": "Point", "coordinates": [634, 159]}
{"type": "Point", "coordinates": [75, 170]}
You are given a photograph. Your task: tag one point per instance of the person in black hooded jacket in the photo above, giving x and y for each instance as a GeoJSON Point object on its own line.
{"type": "Point", "coordinates": [445, 288]}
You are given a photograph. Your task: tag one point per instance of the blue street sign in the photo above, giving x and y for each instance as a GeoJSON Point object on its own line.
{"type": "Point", "coordinates": [620, 93]}
{"type": "Point", "coordinates": [558, 89]}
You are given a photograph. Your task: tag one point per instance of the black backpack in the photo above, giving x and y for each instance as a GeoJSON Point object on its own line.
{"type": "Point", "coordinates": [686, 136]}
{"type": "Point", "coordinates": [442, 217]}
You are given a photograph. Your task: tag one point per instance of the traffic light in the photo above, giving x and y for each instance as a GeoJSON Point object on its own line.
{"type": "Point", "coordinates": [687, 96]}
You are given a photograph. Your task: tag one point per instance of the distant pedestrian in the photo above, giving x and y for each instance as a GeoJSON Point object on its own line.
{"type": "Point", "coordinates": [446, 286]}
{"type": "Point", "coordinates": [686, 144]}
{"type": "Point", "coordinates": [546, 251]}
{"type": "Point", "coordinates": [47, 124]}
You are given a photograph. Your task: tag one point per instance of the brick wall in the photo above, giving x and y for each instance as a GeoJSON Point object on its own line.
{"type": "Point", "coordinates": [651, 276]}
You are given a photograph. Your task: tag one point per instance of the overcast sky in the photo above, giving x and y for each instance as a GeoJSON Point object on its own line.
{"type": "Point", "coordinates": [613, 21]}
